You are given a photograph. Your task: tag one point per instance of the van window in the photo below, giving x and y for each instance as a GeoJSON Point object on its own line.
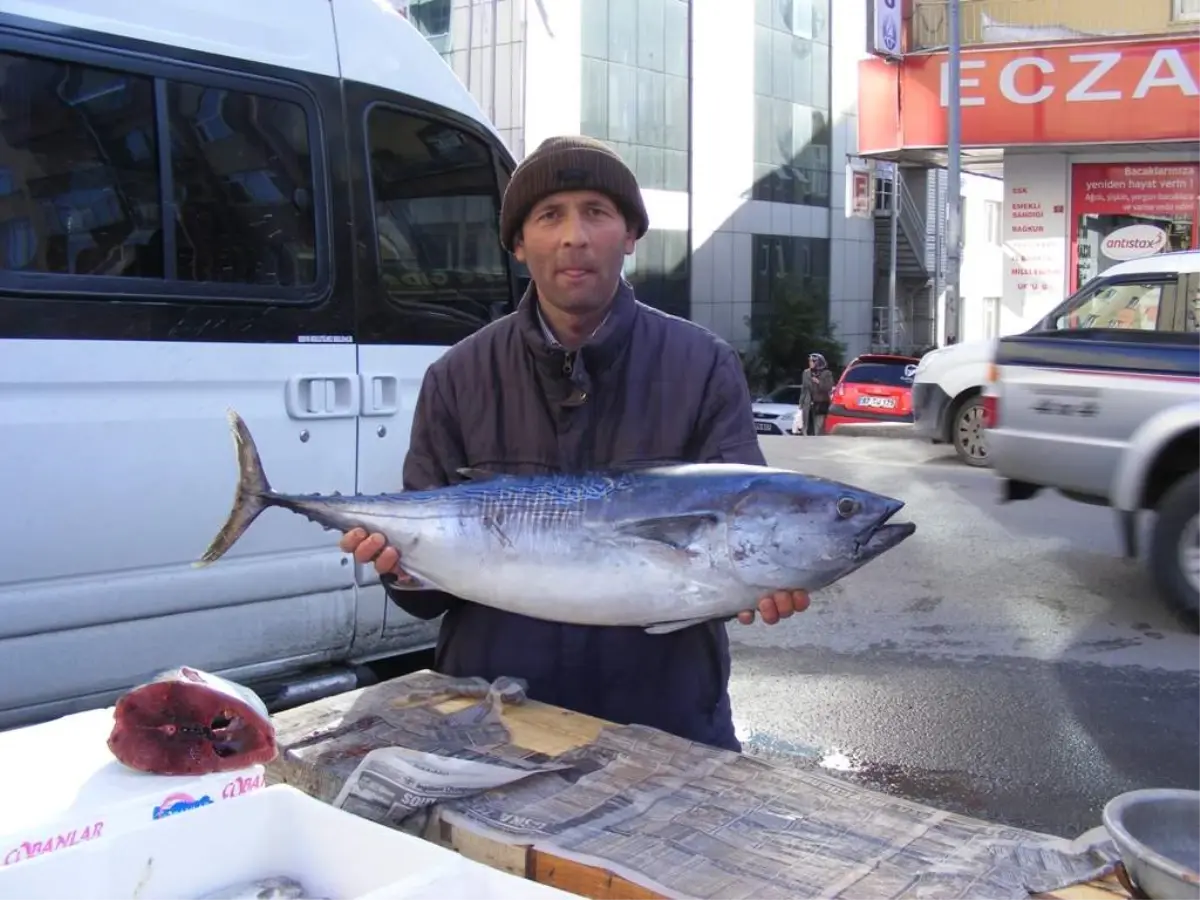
{"type": "Point", "coordinates": [242, 179]}
{"type": "Point", "coordinates": [83, 177]}
{"type": "Point", "coordinates": [1131, 305]}
{"type": "Point", "coordinates": [437, 211]}
{"type": "Point", "coordinates": [79, 185]}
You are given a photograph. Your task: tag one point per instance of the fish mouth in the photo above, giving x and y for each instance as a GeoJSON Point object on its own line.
{"type": "Point", "coordinates": [883, 536]}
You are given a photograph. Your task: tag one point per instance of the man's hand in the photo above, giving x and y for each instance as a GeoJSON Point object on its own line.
{"type": "Point", "coordinates": [776, 606]}
{"type": "Point", "coordinates": [368, 547]}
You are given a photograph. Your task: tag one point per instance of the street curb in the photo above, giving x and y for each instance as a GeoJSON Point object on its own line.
{"type": "Point", "coordinates": [883, 430]}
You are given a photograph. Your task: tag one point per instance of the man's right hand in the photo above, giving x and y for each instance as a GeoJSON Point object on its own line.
{"type": "Point", "coordinates": [368, 547]}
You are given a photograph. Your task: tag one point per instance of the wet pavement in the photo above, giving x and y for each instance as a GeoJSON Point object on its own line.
{"type": "Point", "coordinates": [1004, 662]}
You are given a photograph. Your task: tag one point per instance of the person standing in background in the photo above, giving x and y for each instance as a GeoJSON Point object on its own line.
{"type": "Point", "coordinates": [816, 391]}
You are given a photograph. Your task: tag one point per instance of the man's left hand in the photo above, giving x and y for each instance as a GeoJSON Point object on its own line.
{"type": "Point", "coordinates": [776, 606]}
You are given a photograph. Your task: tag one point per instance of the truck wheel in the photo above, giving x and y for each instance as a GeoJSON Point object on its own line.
{"type": "Point", "coordinates": [968, 434]}
{"type": "Point", "coordinates": [1175, 548]}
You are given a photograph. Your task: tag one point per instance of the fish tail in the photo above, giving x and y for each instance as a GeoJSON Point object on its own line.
{"type": "Point", "coordinates": [252, 497]}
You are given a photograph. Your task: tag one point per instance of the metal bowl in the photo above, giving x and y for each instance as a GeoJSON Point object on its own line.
{"type": "Point", "coordinates": [1157, 832]}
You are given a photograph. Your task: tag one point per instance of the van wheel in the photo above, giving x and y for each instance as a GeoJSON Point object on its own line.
{"type": "Point", "coordinates": [1175, 549]}
{"type": "Point", "coordinates": [968, 434]}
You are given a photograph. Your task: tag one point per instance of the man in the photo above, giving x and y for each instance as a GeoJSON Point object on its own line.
{"type": "Point", "coordinates": [816, 392]}
{"type": "Point", "coordinates": [580, 377]}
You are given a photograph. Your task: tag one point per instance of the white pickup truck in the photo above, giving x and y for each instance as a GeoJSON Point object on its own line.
{"type": "Point", "coordinates": [1107, 412]}
{"type": "Point", "coordinates": [947, 393]}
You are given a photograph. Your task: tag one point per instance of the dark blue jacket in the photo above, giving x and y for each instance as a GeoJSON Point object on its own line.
{"type": "Point", "coordinates": [648, 388]}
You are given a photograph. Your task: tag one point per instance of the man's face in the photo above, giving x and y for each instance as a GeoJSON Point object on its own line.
{"type": "Point", "coordinates": [574, 244]}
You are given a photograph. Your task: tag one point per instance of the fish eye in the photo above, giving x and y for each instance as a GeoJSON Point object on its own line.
{"type": "Point", "coordinates": [846, 507]}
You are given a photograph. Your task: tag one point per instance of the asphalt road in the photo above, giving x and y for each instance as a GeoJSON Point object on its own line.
{"type": "Point", "coordinates": [1005, 662]}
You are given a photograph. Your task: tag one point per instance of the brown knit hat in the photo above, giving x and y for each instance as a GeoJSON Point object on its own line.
{"type": "Point", "coordinates": [573, 163]}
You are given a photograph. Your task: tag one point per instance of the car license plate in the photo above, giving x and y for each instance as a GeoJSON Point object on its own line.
{"type": "Point", "coordinates": [763, 426]}
{"type": "Point", "coordinates": [877, 402]}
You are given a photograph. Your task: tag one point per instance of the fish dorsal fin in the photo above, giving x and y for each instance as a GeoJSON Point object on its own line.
{"type": "Point", "coordinates": [472, 474]}
{"type": "Point", "coordinates": [678, 531]}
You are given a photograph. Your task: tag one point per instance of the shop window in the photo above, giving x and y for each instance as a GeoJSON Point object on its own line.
{"type": "Point", "coordinates": [1130, 211]}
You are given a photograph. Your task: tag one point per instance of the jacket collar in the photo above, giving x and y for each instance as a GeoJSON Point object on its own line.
{"type": "Point", "coordinates": [599, 351]}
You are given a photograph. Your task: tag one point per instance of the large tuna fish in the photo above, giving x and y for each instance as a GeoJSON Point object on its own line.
{"type": "Point", "coordinates": [662, 548]}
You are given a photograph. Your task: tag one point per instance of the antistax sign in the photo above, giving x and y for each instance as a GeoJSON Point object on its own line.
{"type": "Point", "coordinates": [1134, 242]}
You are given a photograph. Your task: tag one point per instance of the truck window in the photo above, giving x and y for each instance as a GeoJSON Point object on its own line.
{"type": "Point", "coordinates": [437, 212]}
{"type": "Point", "coordinates": [1130, 305]}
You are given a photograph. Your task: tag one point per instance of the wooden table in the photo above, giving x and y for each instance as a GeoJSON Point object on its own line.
{"type": "Point", "coordinates": [533, 726]}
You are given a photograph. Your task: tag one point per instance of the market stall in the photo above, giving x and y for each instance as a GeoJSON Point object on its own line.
{"type": "Point", "coordinates": [639, 814]}
{"type": "Point", "coordinates": [431, 788]}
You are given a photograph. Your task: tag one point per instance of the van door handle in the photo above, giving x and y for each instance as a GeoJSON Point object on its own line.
{"type": "Point", "coordinates": [322, 396]}
{"type": "Point", "coordinates": [380, 395]}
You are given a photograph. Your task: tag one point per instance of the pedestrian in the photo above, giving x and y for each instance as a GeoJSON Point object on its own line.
{"type": "Point", "coordinates": [816, 392]}
{"type": "Point", "coordinates": [591, 378]}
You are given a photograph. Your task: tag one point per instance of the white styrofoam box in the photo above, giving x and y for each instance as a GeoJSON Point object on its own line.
{"type": "Point", "coordinates": [63, 788]}
{"type": "Point", "coordinates": [467, 880]}
{"type": "Point", "coordinates": [276, 831]}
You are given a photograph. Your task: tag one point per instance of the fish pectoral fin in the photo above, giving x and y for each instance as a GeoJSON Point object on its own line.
{"type": "Point", "coordinates": [679, 532]}
{"type": "Point", "coordinates": [668, 627]}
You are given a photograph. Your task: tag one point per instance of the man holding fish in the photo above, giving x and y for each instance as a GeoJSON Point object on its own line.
{"type": "Point", "coordinates": [581, 377]}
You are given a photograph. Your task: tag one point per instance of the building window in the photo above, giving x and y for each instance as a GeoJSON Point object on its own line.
{"type": "Point", "coordinates": [1185, 10]}
{"type": "Point", "coordinates": [787, 269]}
{"type": "Point", "coordinates": [993, 222]}
{"type": "Point", "coordinates": [991, 317]}
{"type": "Point", "coordinates": [431, 17]}
{"type": "Point", "coordinates": [635, 85]}
{"type": "Point", "coordinates": [659, 269]}
{"type": "Point", "coordinates": [792, 124]}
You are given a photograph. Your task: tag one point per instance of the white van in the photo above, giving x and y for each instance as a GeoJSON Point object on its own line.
{"type": "Point", "coordinates": [287, 207]}
{"type": "Point", "coordinates": [948, 385]}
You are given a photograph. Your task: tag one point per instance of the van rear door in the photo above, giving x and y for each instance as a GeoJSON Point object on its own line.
{"type": "Point", "coordinates": [167, 254]}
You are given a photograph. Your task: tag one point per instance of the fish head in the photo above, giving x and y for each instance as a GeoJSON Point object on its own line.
{"type": "Point", "coordinates": [794, 531]}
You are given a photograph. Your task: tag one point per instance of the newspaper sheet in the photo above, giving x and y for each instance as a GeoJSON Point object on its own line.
{"type": "Point", "coordinates": [392, 783]}
{"type": "Point", "coordinates": [686, 820]}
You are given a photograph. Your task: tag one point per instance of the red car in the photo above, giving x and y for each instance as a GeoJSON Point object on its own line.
{"type": "Point", "coordinates": [875, 387]}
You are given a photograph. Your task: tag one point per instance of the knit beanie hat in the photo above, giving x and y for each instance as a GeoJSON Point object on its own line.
{"type": "Point", "coordinates": [573, 163]}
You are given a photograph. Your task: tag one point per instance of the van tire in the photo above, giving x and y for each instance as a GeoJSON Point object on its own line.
{"type": "Point", "coordinates": [967, 433]}
{"type": "Point", "coordinates": [1177, 513]}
